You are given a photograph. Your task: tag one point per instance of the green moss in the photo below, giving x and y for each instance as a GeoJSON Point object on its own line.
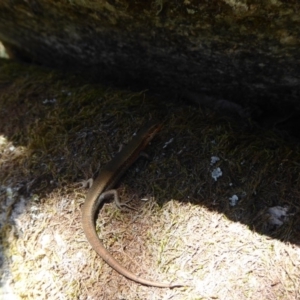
{"type": "Point", "coordinates": [69, 129]}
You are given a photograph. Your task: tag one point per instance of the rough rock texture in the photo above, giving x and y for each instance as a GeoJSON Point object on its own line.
{"type": "Point", "coordinates": [244, 51]}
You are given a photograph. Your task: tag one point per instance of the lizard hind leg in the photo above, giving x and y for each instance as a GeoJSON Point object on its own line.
{"type": "Point", "coordinates": [114, 194]}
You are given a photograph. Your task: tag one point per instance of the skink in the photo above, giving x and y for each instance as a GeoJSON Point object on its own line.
{"type": "Point", "coordinates": [107, 180]}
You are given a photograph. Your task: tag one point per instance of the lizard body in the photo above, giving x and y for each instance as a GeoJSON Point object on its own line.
{"type": "Point", "coordinates": [106, 180]}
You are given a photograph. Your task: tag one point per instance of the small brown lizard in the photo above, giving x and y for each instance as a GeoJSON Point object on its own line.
{"type": "Point", "coordinates": [102, 188]}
